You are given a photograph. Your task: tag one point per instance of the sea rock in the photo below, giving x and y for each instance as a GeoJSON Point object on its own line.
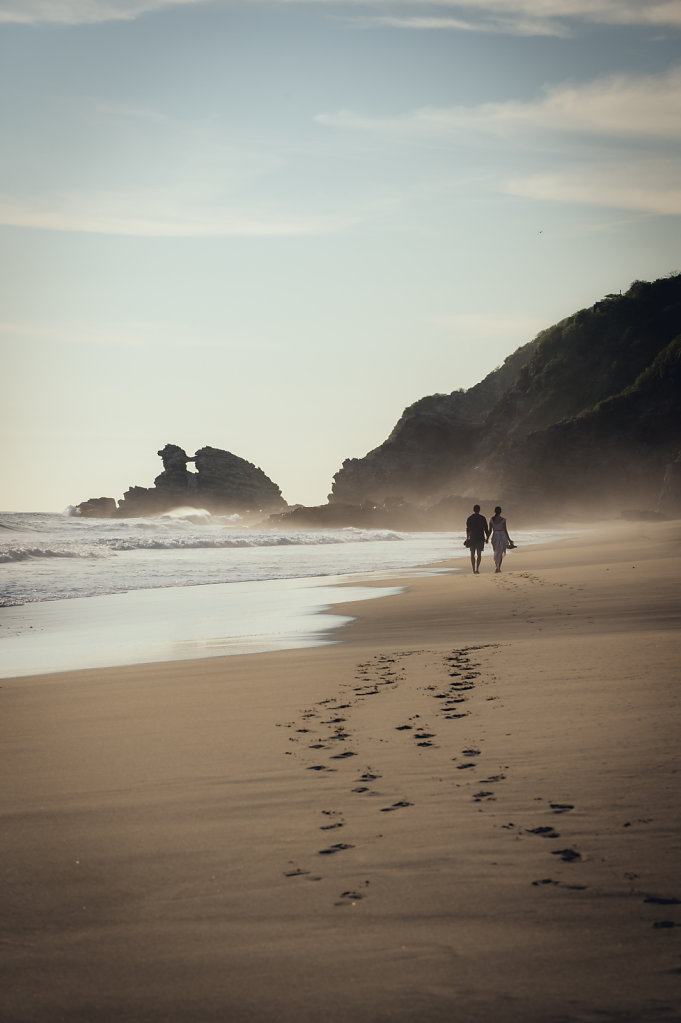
{"type": "Point", "coordinates": [175, 478]}
{"type": "Point", "coordinates": [221, 476]}
{"type": "Point", "coordinates": [223, 483]}
{"type": "Point", "coordinates": [395, 514]}
{"type": "Point", "coordinates": [97, 508]}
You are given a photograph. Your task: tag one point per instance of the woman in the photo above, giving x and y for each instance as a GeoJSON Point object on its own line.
{"type": "Point", "coordinates": [500, 538]}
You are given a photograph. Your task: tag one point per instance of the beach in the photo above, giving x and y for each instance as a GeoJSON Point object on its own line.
{"type": "Point", "coordinates": [465, 809]}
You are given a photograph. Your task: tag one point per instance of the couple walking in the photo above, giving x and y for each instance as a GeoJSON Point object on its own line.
{"type": "Point", "coordinates": [478, 532]}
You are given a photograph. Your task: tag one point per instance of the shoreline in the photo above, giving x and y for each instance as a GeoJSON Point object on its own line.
{"type": "Point", "coordinates": [184, 623]}
{"type": "Point", "coordinates": [204, 601]}
{"type": "Point", "coordinates": [467, 808]}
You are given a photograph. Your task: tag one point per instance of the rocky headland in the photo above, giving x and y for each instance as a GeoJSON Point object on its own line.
{"type": "Point", "coordinates": [584, 420]}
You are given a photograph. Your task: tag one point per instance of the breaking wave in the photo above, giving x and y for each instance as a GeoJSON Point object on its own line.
{"type": "Point", "coordinates": [110, 545]}
{"type": "Point", "coordinates": [56, 557]}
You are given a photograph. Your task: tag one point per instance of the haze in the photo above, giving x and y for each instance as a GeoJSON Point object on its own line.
{"type": "Point", "coordinates": [269, 227]}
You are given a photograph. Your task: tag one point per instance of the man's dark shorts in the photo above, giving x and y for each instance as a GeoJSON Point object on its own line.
{"type": "Point", "coordinates": [477, 544]}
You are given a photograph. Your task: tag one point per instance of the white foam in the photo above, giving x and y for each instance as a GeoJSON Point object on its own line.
{"type": "Point", "coordinates": [53, 557]}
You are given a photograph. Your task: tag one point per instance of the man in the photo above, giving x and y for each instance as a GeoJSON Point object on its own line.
{"type": "Point", "coordinates": [477, 532]}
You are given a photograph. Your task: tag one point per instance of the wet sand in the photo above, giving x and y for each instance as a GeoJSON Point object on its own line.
{"type": "Point", "coordinates": [468, 810]}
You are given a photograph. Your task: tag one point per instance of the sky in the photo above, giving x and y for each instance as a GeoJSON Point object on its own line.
{"type": "Point", "coordinates": [269, 226]}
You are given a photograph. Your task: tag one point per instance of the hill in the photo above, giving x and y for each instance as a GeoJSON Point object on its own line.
{"type": "Point", "coordinates": [584, 418]}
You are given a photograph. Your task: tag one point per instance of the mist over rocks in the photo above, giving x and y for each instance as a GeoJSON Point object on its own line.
{"type": "Point", "coordinates": [223, 483]}
{"type": "Point", "coordinates": [430, 447]}
{"type": "Point", "coordinates": [670, 495]}
{"type": "Point", "coordinates": [583, 421]}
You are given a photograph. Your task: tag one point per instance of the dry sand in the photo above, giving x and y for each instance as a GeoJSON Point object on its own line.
{"type": "Point", "coordinates": [467, 810]}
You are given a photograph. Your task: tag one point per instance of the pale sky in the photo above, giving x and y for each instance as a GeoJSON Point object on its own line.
{"type": "Point", "coordinates": [270, 226]}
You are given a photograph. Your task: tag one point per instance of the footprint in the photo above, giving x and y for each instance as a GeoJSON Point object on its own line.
{"type": "Point", "coordinates": [567, 855]}
{"type": "Point", "coordinates": [396, 806]}
{"type": "Point", "coordinates": [348, 898]}
{"type": "Point", "coordinates": [546, 832]}
{"type": "Point", "coordinates": [561, 807]}
{"type": "Point", "coordinates": [344, 756]}
{"type": "Point", "coordinates": [335, 848]}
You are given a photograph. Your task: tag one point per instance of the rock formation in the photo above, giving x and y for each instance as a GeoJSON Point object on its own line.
{"type": "Point", "coordinates": [97, 508]}
{"type": "Point", "coordinates": [223, 483]}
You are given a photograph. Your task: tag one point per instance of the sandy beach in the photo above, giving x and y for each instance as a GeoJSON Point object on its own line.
{"type": "Point", "coordinates": [468, 809]}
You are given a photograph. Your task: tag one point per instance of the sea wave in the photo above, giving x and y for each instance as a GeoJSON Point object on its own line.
{"type": "Point", "coordinates": [11, 555]}
{"type": "Point", "coordinates": [253, 539]}
{"type": "Point", "coordinates": [108, 546]}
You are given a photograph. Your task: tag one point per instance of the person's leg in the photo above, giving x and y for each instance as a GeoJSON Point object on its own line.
{"type": "Point", "coordinates": [473, 558]}
{"type": "Point", "coordinates": [478, 559]}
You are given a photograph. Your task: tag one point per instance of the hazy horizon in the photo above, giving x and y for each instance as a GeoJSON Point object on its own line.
{"type": "Point", "coordinates": [270, 226]}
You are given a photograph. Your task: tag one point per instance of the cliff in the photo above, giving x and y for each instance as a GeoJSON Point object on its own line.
{"type": "Point", "coordinates": [431, 444]}
{"type": "Point", "coordinates": [584, 418]}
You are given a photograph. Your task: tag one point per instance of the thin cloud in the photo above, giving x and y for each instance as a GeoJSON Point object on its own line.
{"type": "Point", "coordinates": [621, 106]}
{"type": "Point", "coordinates": [645, 186]}
{"type": "Point", "coordinates": [636, 114]}
{"type": "Point", "coordinates": [519, 26]}
{"type": "Point", "coordinates": [518, 17]}
{"type": "Point", "coordinates": [153, 215]}
{"type": "Point", "coordinates": [127, 112]}
{"type": "Point", "coordinates": [610, 12]}
{"type": "Point", "coordinates": [81, 12]}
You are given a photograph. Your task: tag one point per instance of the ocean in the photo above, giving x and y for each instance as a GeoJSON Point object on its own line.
{"type": "Point", "coordinates": [79, 593]}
